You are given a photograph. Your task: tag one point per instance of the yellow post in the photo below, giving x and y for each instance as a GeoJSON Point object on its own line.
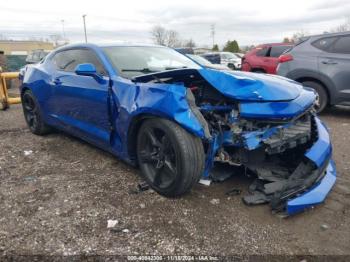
{"type": "Point", "coordinates": [5, 100]}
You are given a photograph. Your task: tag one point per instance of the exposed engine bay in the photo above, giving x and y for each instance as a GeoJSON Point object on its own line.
{"type": "Point", "coordinates": [272, 149]}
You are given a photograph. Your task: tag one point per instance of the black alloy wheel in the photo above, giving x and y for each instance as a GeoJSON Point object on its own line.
{"type": "Point", "coordinates": [171, 160]}
{"type": "Point", "coordinates": [32, 114]}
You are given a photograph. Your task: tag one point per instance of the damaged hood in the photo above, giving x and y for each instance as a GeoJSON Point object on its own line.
{"type": "Point", "coordinates": [246, 86]}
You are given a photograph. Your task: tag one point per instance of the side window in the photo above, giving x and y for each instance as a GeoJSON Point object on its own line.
{"type": "Point", "coordinates": [263, 51]}
{"type": "Point", "coordinates": [63, 60]}
{"type": "Point", "coordinates": [324, 43]}
{"type": "Point", "coordinates": [68, 60]}
{"type": "Point", "coordinates": [276, 51]}
{"type": "Point", "coordinates": [342, 45]}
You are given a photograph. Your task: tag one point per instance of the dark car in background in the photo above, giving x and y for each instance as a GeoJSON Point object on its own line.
{"type": "Point", "coordinates": [264, 58]}
{"type": "Point", "coordinates": [206, 63]}
{"type": "Point", "coordinates": [200, 59]}
{"type": "Point", "coordinates": [321, 62]}
{"type": "Point", "coordinates": [228, 59]}
{"type": "Point", "coordinates": [36, 56]}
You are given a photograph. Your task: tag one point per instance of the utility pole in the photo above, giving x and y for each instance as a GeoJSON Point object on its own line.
{"type": "Point", "coordinates": [85, 28]}
{"type": "Point", "coordinates": [212, 32]}
{"type": "Point", "coordinates": [63, 31]}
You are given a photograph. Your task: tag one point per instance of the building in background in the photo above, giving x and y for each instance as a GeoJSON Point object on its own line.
{"type": "Point", "coordinates": [201, 50]}
{"type": "Point", "coordinates": [15, 52]}
{"type": "Point", "coordinates": [12, 47]}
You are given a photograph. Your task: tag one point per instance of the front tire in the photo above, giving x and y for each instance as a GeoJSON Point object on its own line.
{"type": "Point", "coordinates": [171, 159]}
{"type": "Point", "coordinates": [33, 115]}
{"type": "Point", "coordinates": [322, 99]}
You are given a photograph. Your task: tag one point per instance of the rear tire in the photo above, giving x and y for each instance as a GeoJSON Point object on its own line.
{"type": "Point", "coordinates": [171, 159]}
{"type": "Point", "coordinates": [322, 100]}
{"type": "Point", "coordinates": [33, 115]}
{"type": "Point", "coordinates": [231, 66]}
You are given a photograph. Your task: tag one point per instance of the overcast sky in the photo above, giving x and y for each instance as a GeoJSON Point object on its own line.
{"type": "Point", "coordinates": [248, 21]}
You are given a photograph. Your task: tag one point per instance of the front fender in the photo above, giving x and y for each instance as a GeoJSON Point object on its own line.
{"type": "Point", "coordinates": [161, 100]}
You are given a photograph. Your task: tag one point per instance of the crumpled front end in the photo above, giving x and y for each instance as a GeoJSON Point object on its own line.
{"type": "Point", "coordinates": [290, 159]}
{"type": "Point", "coordinates": [290, 156]}
{"type": "Point", "coordinates": [280, 141]}
{"type": "Point", "coordinates": [262, 126]}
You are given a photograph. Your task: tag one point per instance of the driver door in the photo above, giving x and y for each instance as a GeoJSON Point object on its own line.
{"type": "Point", "coordinates": [80, 103]}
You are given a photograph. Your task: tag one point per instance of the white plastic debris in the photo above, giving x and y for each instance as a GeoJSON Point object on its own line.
{"type": "Point", "coordinates": [324, 227]}
{"type": "Point", "coordinates": [28, 152]}
{"type": "Point", "coordinates": [111, 223]}
{"type": "Point", "coordinates": [205, 182]}
{"type": "Point", "coordinates": [126, 230]}
{"type": "Point", "coordinates": [215, 201]}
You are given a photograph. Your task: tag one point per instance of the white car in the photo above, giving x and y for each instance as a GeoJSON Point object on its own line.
{"type": "Point", "coordinates": [228, 59]}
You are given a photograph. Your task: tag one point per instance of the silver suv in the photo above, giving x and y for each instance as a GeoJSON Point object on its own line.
{"type": "Point", "coordinates": [321, 62]}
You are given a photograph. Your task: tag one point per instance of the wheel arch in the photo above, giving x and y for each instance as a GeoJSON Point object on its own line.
{"type": "Point", "coordinates": [312, 79]}
{"type": "Point", "coordinates": [308, 75]}
{"type": "Point", "coordinates": [258, 69]}
{"type": "Point", "coordinates": [135, 125]}
{"type": "Point", "coordinates": [23, 89]}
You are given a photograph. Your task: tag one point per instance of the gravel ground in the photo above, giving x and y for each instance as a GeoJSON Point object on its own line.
{"type": "Point", "coordinates": [57, 194]}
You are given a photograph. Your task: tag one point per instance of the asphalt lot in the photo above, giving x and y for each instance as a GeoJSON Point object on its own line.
{"type": "Point", "coordinates": [57, 193]}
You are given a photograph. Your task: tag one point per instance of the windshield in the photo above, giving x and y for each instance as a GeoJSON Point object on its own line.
{"type": "Point", "coordinates": [200, 60]}
{"type": "Point", "coordinates": [131, 61]}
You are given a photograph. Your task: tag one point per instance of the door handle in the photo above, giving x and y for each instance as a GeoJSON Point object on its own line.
{"type": "Point", "coordinates": [329, 62]}
{"type": "Point", "coordinates": [57, 81]}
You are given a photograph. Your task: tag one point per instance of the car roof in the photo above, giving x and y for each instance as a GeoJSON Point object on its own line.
{"type": "Point", "coordinates": [329, 34]}
{"type": "Point", "coordinates": [274, 44]}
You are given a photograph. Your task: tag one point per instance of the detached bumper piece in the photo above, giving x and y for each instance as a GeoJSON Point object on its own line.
{"type": "Point", "coordinates": [307, 186]}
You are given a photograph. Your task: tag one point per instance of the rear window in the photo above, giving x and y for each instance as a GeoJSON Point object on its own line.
{"type": "Point", "coordinates": [262, 51]}
{"type": "Point", "coordinates": [276, 51]}
{"type": "Point", "coordinates": [213, 58]}
{"type": "Point", "coordinates": [342, 45]}
{"type": "Point", "coordinates": [324, 43]}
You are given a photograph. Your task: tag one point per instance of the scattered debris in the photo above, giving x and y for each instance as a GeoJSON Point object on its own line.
{"type": "Point", "coordinates": [111, 223]}
{"type": "Point", "coordinates": [126, 230]}
{"type": "Point", "coordinates": [233, 192]}
{"type": "Point", "coordinates": [28, 152]}
{"type": "Point", "coordinates": [215, 201]}
{"type": "Point", "coordinates": [141, 187]}
{"type": "Point", "coordinates": [255, 199]}
{"type": "Point", "coordinates": [142, 205]}
{"type": "Point", "coordinates": [205, 182]}
{"type": "Point", "coordinates": [324, 227]}
{"type": "Point", "coordinates": [30, 178]}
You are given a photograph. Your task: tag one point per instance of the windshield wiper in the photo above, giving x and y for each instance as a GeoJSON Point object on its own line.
{"type": "Point", "coordinates": [143, 70]}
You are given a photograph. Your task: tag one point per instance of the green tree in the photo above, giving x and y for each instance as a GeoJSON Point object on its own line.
{"type": "Point", "coordinates": [286, 40]}
{"type": "Point", "coordinates": [231, 46]}
{"type": "Point", "coordinates": [215, 48]}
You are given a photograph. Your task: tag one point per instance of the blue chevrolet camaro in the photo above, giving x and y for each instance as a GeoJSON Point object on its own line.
{"type": "Point", "coordinates": [179, 122]}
